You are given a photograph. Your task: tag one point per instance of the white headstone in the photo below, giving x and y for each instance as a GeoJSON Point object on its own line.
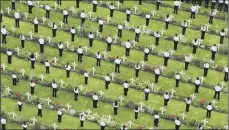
{"type": "Point", "coordinates": [42, 77]}
{"type": "Point", "coordinates": [69, 106]}
{"type": "Point", "coordinates": [48, 100]}
{"type": "Point", "coordinates": [121, 98]}
{"type": "Point", "coordinates": [101, 93]}
{"type": "Point", "coordinates": [85, 48]}
{"type": "Point", "coordinates": [34, 120]}
{"type": "Point", "coordinates": [153, 12]}
{"type": "Point", "coordinates": [8, 10]}
{"type": "Point", "coordinates": [61, 24]}
{"type": "Point", "coordinates": [162, 110]}
{"type": "Point", "coordinates": [22, 72]}
{"type": "Point", "coordinates": [17, 49]}
{"type": "Point", "coordinates": [205, 121]}
{"type": "Point", "coordinates": [28, 95]}
{"type": "Point", "coordinates": [3, 66]}
{"type": "Point", "coordinates": [55, 60]}
{"type": "Point", "coordinates": [183, 116]}
{"type": "Point", "coordinates": [93, 70]}
{"type": "Point", "coordinates": [123, 58]}
{"type": "Point", "coordinates": [135, 9]}
{"type": "Point", "coordinates": [113, 75]}
{"type": "Point", "coordinates": [54, 124]}
{"type": "Point", "coordinates": [62, 83]}
{"type": "Point", "coordinates": [74, 65]}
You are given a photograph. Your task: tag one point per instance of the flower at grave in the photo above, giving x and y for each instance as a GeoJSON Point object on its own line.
{"type": "Point", "coordinates": [219, 68]}
{"type": "Point", "coordinates": [72, 111]}
{"type": "Point", "coordinates": [139, 127]}
{"type": "Point", "coordinates": [91, 93]}
{"type": "Point", "coordinates": [202, 101]}
{"type": "Point", "coordinates": [18, 94]}
{"type": "Point", "coordinates": [170, 117]}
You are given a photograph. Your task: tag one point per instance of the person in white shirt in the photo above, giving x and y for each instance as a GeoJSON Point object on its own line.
{"type": "Point", "coordinates": [117, 64]}
{"type": "Point", "coordinates": [146, 54]}
{"type": "Point", "coordinates": [209, 110]}
{"type": "Point", "coordinates": [94, 2]}
{"type": "Point", "coordinates": [166, 98]}
{"type": "Point", "coordinates": [3, 122]}
{"type": "Point", "coordinates": [147, 90]}
{"type": "Point", "coordinates": [166, 58]}
{"type": "Point", "coordinates": [156, 119]}
{"type": "Point", "coordinates": [14, 78]}
{"type": "Point", "coordinates": [147, 19]}
{"type": "Point", "coordinates": [199, 127]}
{"type": "Point", "coordinates": [19, 105]}
{"type": "Point", "coordinates": [47, 65]}
{"type": "Point", "coordinates": [24, 125]}
{"type": "Point", "coordinates": [32, 86]}
{"type": "Point", "coordinates": [47, 8]}
{"type": "Point", "coordinates": [187, 61]}
{"type": "Point", "coordinates": [193, 11]}
{"type": "Point", "coordinates": [41, 42]}
{"type": "Point", "coordinates": [188, 103]}
{"type": "Point", "coordinates": [103, 125]}
{"type": "Point", "coordinates": [98, 59]}
{"type": "Point", "coordinates": [54, 89]}
{"type": "Point", "coordinates": [184, 26]}
{"type": "Point", "coordinates": [120, 27]}
{"type": "Point", "coordinates": [226, 6]}
{"type": "Point", "coordinates": [125, 88]}
{"type": "Point", "coordinates": [111, 7]}
{"type": "Point", "coordinates": [90, 37]}
{"type": "Point", "coordinates": [82, 16]}
{"type": "Point", "coordinates": [95, 100]}
{"type": "Point", "coordinates": [176, 6]}
{"type": "Point", "coordinates": [109, 42]}
{"type": "Point", "coordinates": [4, 34]}
{"type": "Point", "coordinates": [76, 93]}
{"type": "Point", "coordinates": [137, 34]}
{"type": "Point", "coordinates": [13, 4]}
{"type": "Point", "coordinates": [128, 47]}
{"type": "Point", "coordinates": [158, 4]}
{"type": "Point", "coordinates": [214, 50]}
{"type": "Point", "coordinates": [32, 59]}
{"type": "Point", "coordinates": [59, 2]}
{"type": "Point", "coordinates": [137, 69]}
{"type": "Point", "coordinates": [30, 6]}
{"type": "Point", "coordinates": [65, 18]}
{"type": "Point", "coordinates": [211, 16]}
{"type": "Point", "coordinates": [54, 28]}
{"type": "Point", "coordinates": [107, 81]}
{"type": "Point", "coordinates": [177, 124]}
{"type": "Point", "coordinates": [226, 73]}
{"type": "Point", "coordinates": [17, 18]}
{"type": "Point", "coordinates": [116, 105]}
{"type": "Point", "coordinates": [157, 74]}
{"type": "Point", "coordinates": [136, 110]}
{"type": "Point", "coordinates": [60, 47]}
{"type": "Point", "coordinates": [22, 37]}
{"type": "Point", "coordinates": [203, 31]}
{"type": "Point", "coordinates": [59, 115]}
{"type": "Point", "coordinates": [86, 75]}
{"type": "Point", "coordinates": [100, 25]}
{"type": "Point", "coordinates": [194, 46]}
{"type": "Point", "coordinates": [80, 54]}
{"type": "Point", "coordinates": [222, 34]}
{"type": "Point", "coordinates": [68, 69]}
{"type": "Point", "coordinates": [35, 22]}
{"type": "Point", "coordinates": [175, 40]}
{"type": "Point", "coordinates": [167, 20]}
{"type": "Point", "coordinates": [128, 12]}
{"type": "Point", "coordinates": [206, 66]}
{"type": "Point", "coordinates": [177, 77]}
{"type": "Point", "coordinates": [217, 91]}
{"type": "Point", "coordinates": [220, 4]}
{"type": "Point", "coordinates": [9, 56]}
{"type": "Point", "coordinates": [73, 33]}
{"type": "Point", "coordinates": [82, 119]}
{"type": "Point", "coordinates": [157, 37]}
{"type": "Point", "coordinates": [39, 106]}
{"type": "Point", "coordinates": [197, 84]}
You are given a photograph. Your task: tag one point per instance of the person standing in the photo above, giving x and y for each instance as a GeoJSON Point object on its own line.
{"type": "Point", "coordinates": [177, 124]}
{"type": "Point", "coordinates": [86, 75]}
{"type": "Point", "coordinates": [30, 6]}
{"type": "Point", "coordinates": [220, 4]}
{"type": "Point", "coordinates": [80, 54]}
{"type": "Point", "coordinates": [109, 42]}
{"type": "Point", "coordinates": [176, 41]}
{"type": "Point", "coordinates": [157, 37]}
{"type": "Point", "coordinates": [103, 125]}
{"type": "Point", "coordinates": [35, 22]}
{"type": "Point", "coordinates": [19, 105]}
{"type": "Point", "coordinates": [95, 100]}
{"type": "Point", "coordinates": [128, 12]}
{"type": "Point", "coordinates": [194, 46]}
{"type": "Point", "coordinates": [226, 73]}
{"type": "Point", "coordinates": [22, 37]}
{"type": "Point", "coordinates": [73, 33]}
{"type": "Point", "coordinates": [166, 98]}
{"type": "Point", "coordinates": [59, 115]}
{"type": "Point", "coordinates": [137, 34]}
{"type": "Point", "coordinates": [203, 31]}
{"type": "Point", "coordinates": [90, 37]}
{"type": "Point", "coordinates": [107, 81]}
{"type": "Point", "coordinates": [211, 16]}
{"type": "Point", "coordinates": [111, 7]}
{"type": "Point", "coordinates": [157, 74]}
{"type": "Point", "coordinates": [128, 47]}
{"type": "Point", "coordinates": [54, 28]}
{"type": "Point", "coordinates": [68, 69]}
{"type": "Point", "coordinates": [60, 46]}
{"type": "Point", "coordinates": [116, 105]}
{"type": "Point", "coordinates": [32, 86]}
{"type": "Point", "coordinates": [226, 6]}
{"type": "Point", "coordinates": [47, 66]}
{"type": "Point", "coordinates": [100, 25]}
{"type": "Point", "coordinates": [147, 19]}
{"type": "Point", "coordinates": [76, 93]}
{"type": "Point", "coordinates": [120, 27]}
{"type": "Point", "coordinates": [176, 6]}
{"type": "Point", "coordinates": [187, 61]}
{"type": "Point", "coordinates": [222, 34]}
{"type": "Point", "coordinates": [188, 103]}
{"type": "Point", "coordinates": [136, 110]}
{"type": "Point", "coordinates": [65, 16]}
{"type": "Point", "coordinates": [213, 50]}
{"type": "Point", "coordinates": [147, 90]}
{"type": "Point", "coordinates": [82, 119]}
{"type": "Point", "coordinates": [193, 11]}
{"type": "Point", "coordinates": [14, 78]}
{"type": "Point", "coordinates": [146, 54]}
{"type": "Point", "coordinates": [206, 66]}
{"type": "Point", "coordinates": [166, 58]}
{"type": "Point", "coordinates": [24, 125]}
{"type": "Point", "coordinates": [197, 84]}
{"type": "Point", "coordinates": [94, 5]}
{"type": "Point", "coordinates": [117, 64]}
{"type": "Point", "coordinates": [77, 3]}
{"type": "Point", "coordinates": [17, 17]}
{"type": "Point", "coordinates": [209, 110]}
{"type": "Point", "coordinates": [137, 69]}
{"type": "Point", "coordinates": [54, 89]}
{"type": "Point", "coordinates": [47, 8]}
{"type": "Point", "coordinates": [156, 119]}
{"type": "Point", "coordinates": [13, 4]}
{"type": "Point", "coordinates": [98, 59]}
{"type": "Point", "coordinates": [177, 77]}
{"type": "Point", "coordinates": [39, 106]}
{"type": "Point", "coordinates": [4, 34]}
{"type": "Point", "coordinates": [126, 88]}
{"type": "Point", "coordinates": [206, 3]}
{"type": "Point", "coordinates": [9, 56]}
{"type": "Point", "coordinates": [184, 26]}
{"type": "Point", "coordinates": [41, 42]}
{"type": "Point", "coordinates": [217, 91]}
{"type": "Point", "coordinates": [32, 59]}
{"type": "Point", "coordinates": [3, 122]}
{"type": "Point", "coordinates": [167, 20]}
{"type": "Point", "coordinates": [158, 4]}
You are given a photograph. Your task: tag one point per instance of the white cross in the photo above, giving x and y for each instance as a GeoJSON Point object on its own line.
{"type": "Point", "coordinates": [37, 3]}
{"type": "Point", "coordinates": [181, 37]}
{"type": "Point", "coordinates": [171, 17]}
{"type": "Point", "coordinates": [205, 121]}
{"type": "Point", "coordinates": [162, 110]}
{"type": "Point", "coordinates": [13, 114]}
{"type": "Point", "coordinates": [28, 95]}
{"type": "Point", "coordinates": [8, 89]}
{"type": "Point", "coordinates": [54, 124]}
{"type": "Point", "coordinates": [189, 22]}
{"type": "Point", "coordinates": [61, 24]}
{"type": "Point", "coordinates": [214, 102]}
{"type": "Point", "coordinates": [13, 29]}
{"type": "Point", "coordinates": [44, 19]}
{"type": "Point", "coordinates": [191, 56]}
{"type": "Point", "coordinates": [172, 92]}
{"type": "Point", "coordinates": [55, 59]}
{"type": "Point", "coordinates": [162, 32]}
{"type": "Point", "coordinates": [183, 115]}
{"type": "Point", "coordinates": [226, 127]}
{"type": "Point", "coordinates": [130, 123]}
{"type": "Point", "coordinates": [90, 14]}
{"type": "Point", "coordinates": [97, 33]}
{"type": "Point", "coordinates": [79, 28]}
{"type": "Point", "coordinates": [109, 117]}
{"type": "Point", "coordinates": [8, 10]}
{"type": "Point", "coordinates": [211, 61]}
{"type": "Point", "coordinates": [218, 46]}
{"type": "Point", "coordinates": [93, 70]}
{"type": "Point", "coordinates": [105, 54]}
{"type": "Point", "coordinates": [69, 106]}
{"type": "Point", "coordinates": [197, 8]}
{"type": "Point", "coordinates": [216, 11]}
{"type": "Point", "coordinates": [101, 93]}
{"type": "Point", "coordinates": [108, 18]}
{"type": "Point", "coordinates": [113, 75]}
{"type": "Point", "coordinates": [115, 38]}
{"type": "Point", "coordinates": [135, 8]}
{"type": "Point", "coordinates": [134, 42]}
{"type": "Point", "coordinates": [202, 79]}
{"type": "Point", "coordinates": [153, 12]}
{"type": "Point", "coordinates": [88, 111]}
{"type": "Point", "coordinates": [55, 4]}
{"type": "Point", "coordinates": [142, 63]}
{"type": "Point", "coordinates": [49, 39]}
{"type": "Point", "coordinates": [31, 35]}
{"type": "Point", "coordinates": [3, 66]}
{"type": "Point", "coordinates": [61, 83]}
{"type": "Point", "coordinates": [226, 30]}
{"type": "Point", "coordinates": [34, 120]}
{"type": "Point", "coordinates": [123, 59]}
{"type": "Point", "coordinates": [73, 9]}
{"type": "Point", "coordinates": [141, 104]}
{"type": "Point", "coordinates": [118, 4]}
{"type": "Point", "coordinates": [162, 68]}
{"type": "Point", "coordinates": [74, 65]}
{"type": "Point", "coordinates": [143, 27]}
{"type": "Point", "coordinates": [36, 54]}
{"type": "Point", "coordinates": [81, 87]}
{"type": "Point", "coordinates": [132, 80]}
{"type": "Point", "coordinates": [193, 96]}
{"type": "Point", "coordinates": [126, 23]}
{"type": "Point", "coordinates": [48, 100]}
{"type": "Point", "coordinates": [26, 15]}
{"type": "Point", "coordinates": [147, 31]}
{"type": "Point", "coordinates": [152, 47]}
{"type": "Point", "coordinates": [121, 98]}
{"type": "Point", "coordinates": [207, 26]}
{"type": "Point", "coordinates": [42, 77]}
{"type": "Point", "coordinates": [86, 48]}
{"type": "Point", "coordinates": [171, 51]}
{"type": "Point", "coordinates": [18, 50]}
{"type": "Point", "coordinates": [182, 73]}
{"type": "Point", "coordinates": [67, 44]}
{"type": "Point", "coordinates": [199, 41]}
{"type": "Point", "coordinates": [152, 86]}
{"type": "Point", "coordinates": [222, 84]}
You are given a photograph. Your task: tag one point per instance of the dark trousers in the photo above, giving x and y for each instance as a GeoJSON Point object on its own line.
{"type": "Point", "coordinates": [80, 57]}
{"type": "Point", "coordinates": [82, 21]}
{"type": "Point", "coordinates": [20, 107]}
{"type": "Point", "coordinates": [54, 32]}
{"type": "Point", "coordinates": [193, 15]}
{"type": "Point", "coordinates": [94, 7]}
{"type": "Point", "coordinates": [77, 3]}
{"type": "Point", "coordinates": [128, 17]}
{"type": "Point", "coordinates": [0, 17]}
{"type": "Point", "coordinates": [146, 96]}
{"type": "Point", "coordinates": [30, 9]}
{"type": "Point", "coordinates": [140, 2]}
{"type": "Point", "coordinates": [175, 9]}
{"type": "Point", "coordinates": [177, 82]}
{"type": "Point", "coordinates": [59, 2]}
{"type": "Point", "coordinates": [81, 123]}
{"type": "Point", "coordinates": [208, 113]}
{"type": "Point", "coordinates": [76, 96]}
{"type": "Point", "coordinates": [17, 23]}
{"type": "Point", "coordinates": [102, 127]}
{"type": "Point", "coordinates": [187, 1]}
{"type": "Point", "coordinates": [225, 76]}
{"type": "Point", "coordinates": [226, 8]}
{"type": "Point", "coordinates": [95, 103]}
{"type": "Point", "coordinates": [108, 46]}
{"type": "Point", "coordinates": [183, 30]}
{"type": "Point", "coordinates": [197, 88]}
{"type": "Point", "coordinates": [194, 47]}
{"type": "Point", "coordinates": [205, 72]}
{"type": "Point", "coordinates": [136, 115]}
{"type": "Point", "coordinates": [90, 42]}
{"type": "Point", "coordinates": [33, 64]}
{"type": "Point", "coordinates": [35, 28]}
{"type": "Point", "coordinates": [221, 39]}
{"type": "Point", "coordinates": [22, 43]}
{"type": "Point", "coordinates": [137, 37]}
{"type": "Point", "coordinates": [177, 127]}
{"type": "Point", "coordinates": [4, 38]}
{"type": "Point", "coordinates": [107, 84]}
{"type": "Point", "coordinates": [59, 118]}
{"type": "Point", "coordinates": [127, 51]}
{"type": "Point", "coordinates": [60, 52]}
{"type": "Point", "coordinates": [146, 56]}
{"type": "Point", "coordinates": [166, 102]}
{"type": "Point", "coordinates": [115, 111]}
{"type": "Point", "coordinates": [187, 107]}
{"type": "Point", "coordinates": [210, 20]}
{"type": "Point", "coordinates": [156, 78]}
{"type": "Point", "coordinates": [217, 93]}
{"type": "Point", "coordinates": [47, 69]}
{"type": "Point", "coordinates": [117, 67]}
{"type": "Point", "coordinates": [175, 45]}
{"type": "Point", "coordinates": [54, 94]}
{"type": "Point", "coordinates": [85, 80]}
{"type": "Point", "coordinates": [213, 55]}
{"type": "Point", "coordinates": [32, 90]}
{"type": "Point", "coordinates": [200, 2]}
{"type": "Point", "coordinates": [47, 14]}
{"type": "Point", "coordinates": [119, 32]}
{"type": "Point", "coordinates": [13, 5]}
{"type": "Point", "coordinates": [121, 1]}
{"type": "Point", "coordinates": [101, 28]}
{"type": "Point", "coordinates": [220, 5]}
{"type": "Point", "coordinates": [157, 41]}
{"type": "Point", "coordinates": [41, 48]}
{"type": "Point", "coordinates": [186, 65]}
{"type": "Point", "coordinates": [147, 21]}
{"type": "Point", "coordinates": [213, 5]}
{"type": "Point", "coordinates": [125, 91]}
{"type": "Point", "coordinates": [206, 3]}
{"type": "Point", "coordinates": [111, 12]}
{"type": "Point", "coordinates": [98, 62]}
{"type": "Point", "coordinates": [156, 122]}
{"type": "Point", "coordinates": [136, 72]}
{"type": "Point", "coordinates": [3, 126]}
{"type": "Point", "coordinates": [9, 59]}
{"type": "Point", "coordinates": [73, 37]}
{"type": "Point", "coordinates": [65, 19]}
{"type": "Point", "coordinates": [166, 25]}
{"type": "Point", "coordinates": [166, 59]}
{"type": "Point", "coordinates": [39, 112]}
{"type": "Point", "coordinates": [158, 5]}
{"type": "Point", "coordinates": [68, 73]}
